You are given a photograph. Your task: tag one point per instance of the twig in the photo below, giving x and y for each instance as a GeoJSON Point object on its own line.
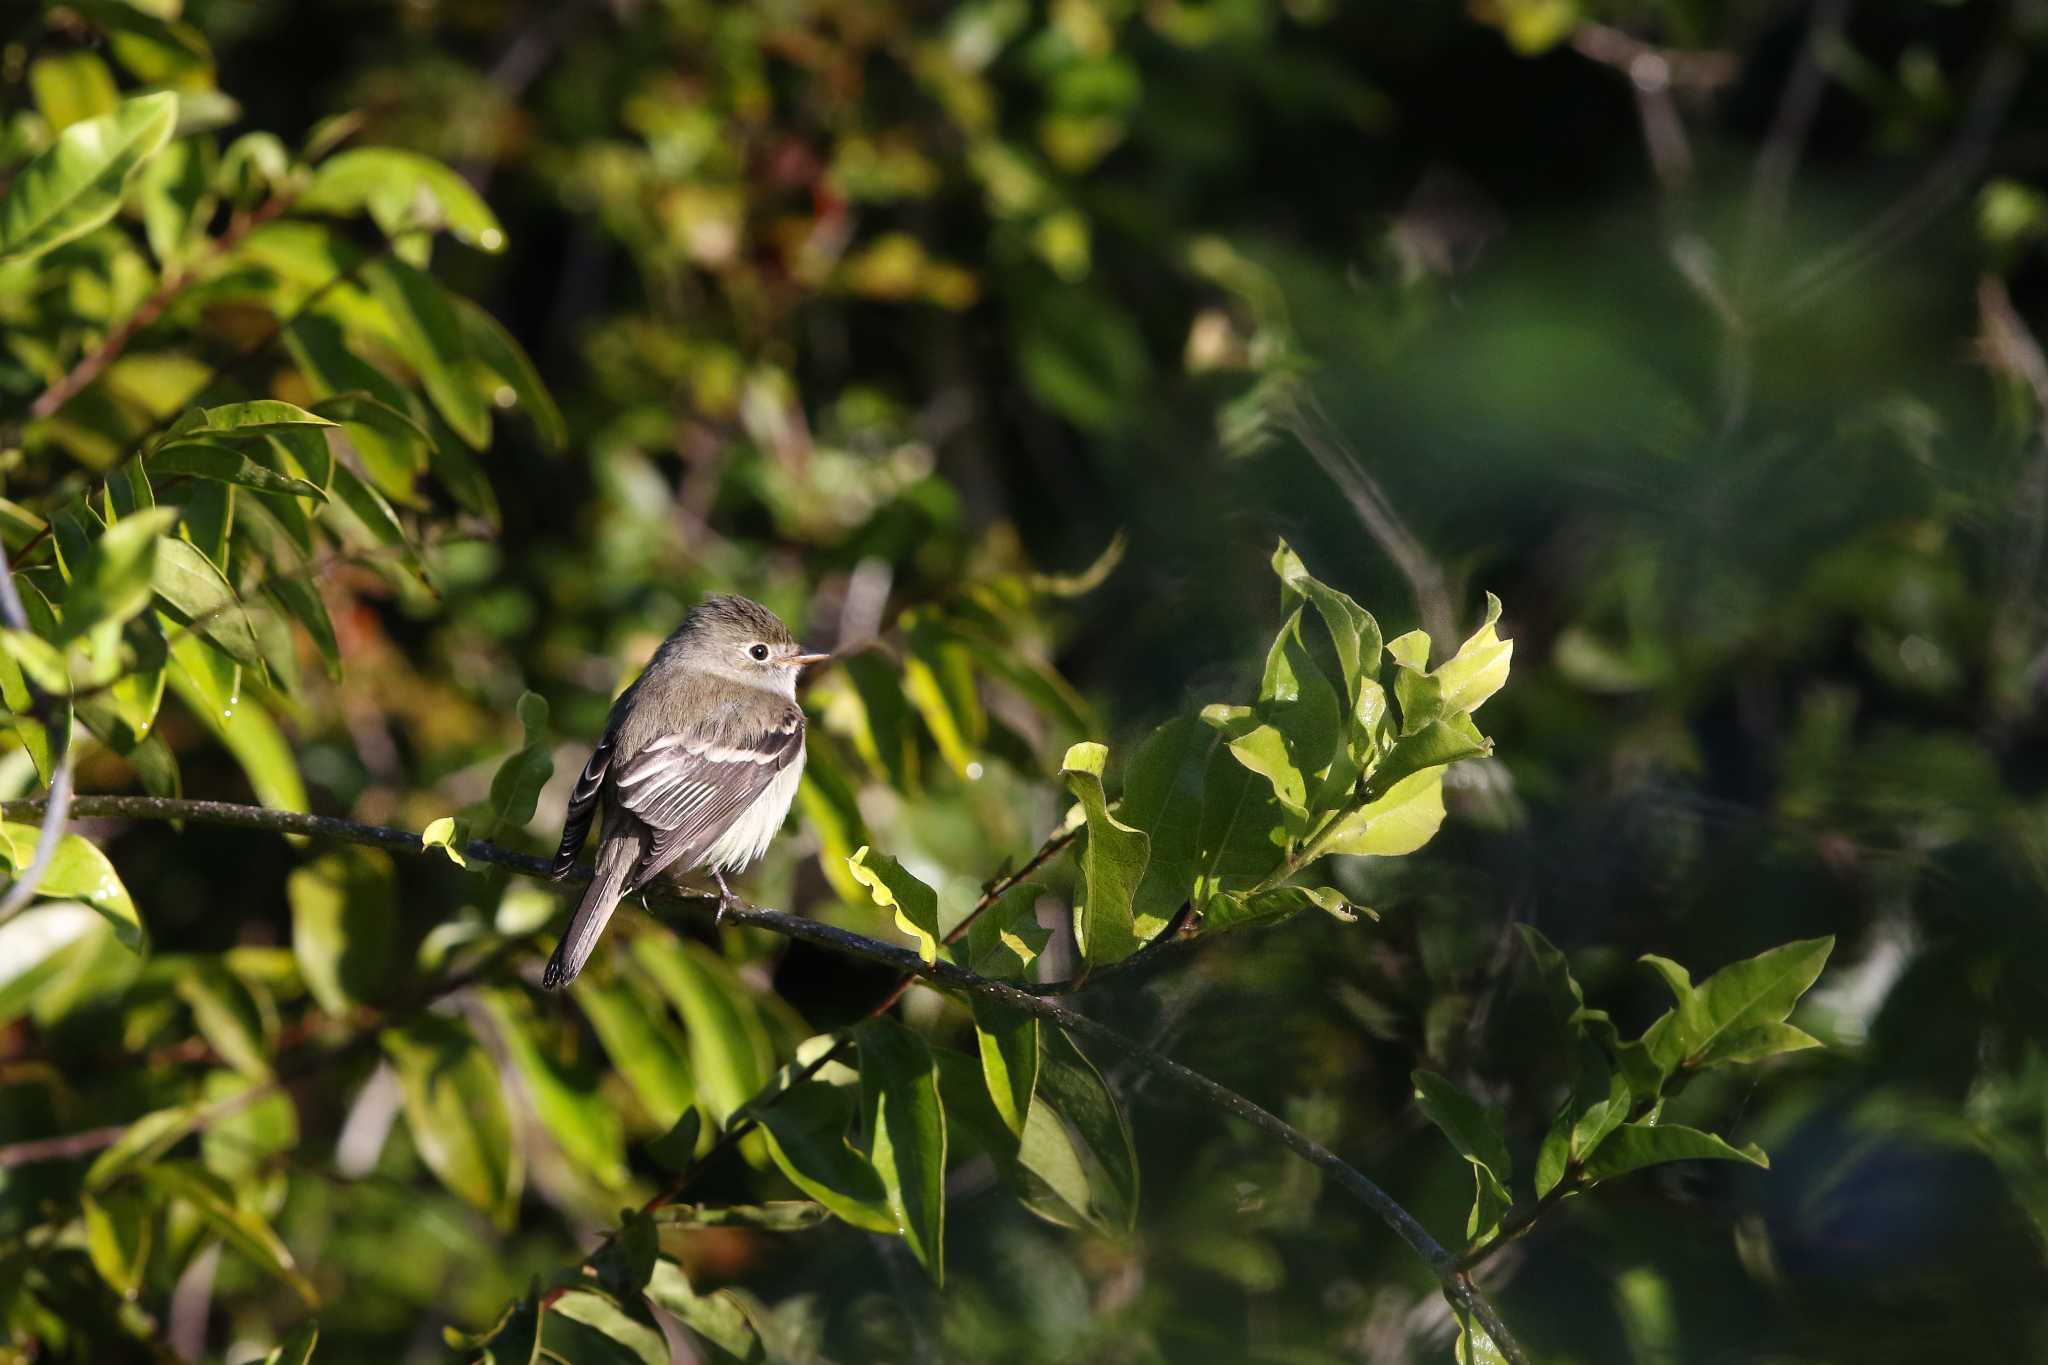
{"type": "Point", "coordinates": [1776, 165]}
{"type": "Point", "coordinates": [1456, 1284]}
{"type": "Point", "coordinates": [1935, 191]}
{"type": "Point", "coordinates": [1304, 417]}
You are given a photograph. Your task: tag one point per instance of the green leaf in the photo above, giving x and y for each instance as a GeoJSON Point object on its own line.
{"type": "Point", "coordinates": [455, 1107]}
{"type": "Point", "coordinates": [297, 1347]}
{"type": "Point", "coordinates": [1474, 1129]}
{"type": "Point", "coordinates": [14, 693]}
{"type": "Point", "coordinates": [938, 677]}
{"type": "Point", "coordinates": [1479, 668]}
{"type": "Point", "coordinates": [157, 51]}
{"type": "Point", "coordinates": [42, 945]}
{"type": "Point", "coordinates": [448, 836]}
{"type": "Point", "coordinates": [1296, 698]}
{"type": "Point", "coordinates": [777, 1215]}
{"type": "Point", "coordinates": [1163, 796]}
{"type": "Point", "coordinates": [374, 411]}
{"type": "Point", "coordinates": [906, 1132]}
{"type": "Point", "coordinates": [1553, 1158]}
{"type": "Point", "coordinates": [1005, 939]}
{"type": "Point", "coordinates": [515, 787]}
{"type": "Point", "coordinates": [369, 511]}
{"type": "Point", "coordinates": [223, 465]}
{"type": "Point", "coordinates": [1559, 986]}
{"type": "Point", "coordinates": [120, 1228]}
{"type": "Point", "coordinates": [76, 183]}
{"type": "Point", "coordinates": [643, 1046]}
{"type": "Point", "coordinates": [1633, 1146]}
{"type": "Point", "coordinates": [1112, 862]}
{"type": "Point", "coordinates": [257, 417]}
{"type": "Point", "coordinates": [677, 1149]}
{"type": "Point", "coordinates": [503, 356]}
{"type": "Point", "coordinates": [1008, 1041]}
{"type": "Point", "coordinates": [1435, 745]}
{"type": "Point", "coordinates": [401, 191]}
{"type": "Point", "coordinates": [72, 86]}
{"type": "Point", "coordinates": [78, 871]}
{"type": "Point", "coordinates": [111, 582]}
{"type": "Point", "coordinates": [251, 1126]}
{"type": "Point", "coordinates": [1399, 822]}
{"type": "Point", "coordinates": [882, 730]}
{"type": "Point", "coordinates": [1265, 751]}
{"type": "Point", "coordinates": [1598, 1115]}
{"type": "Point", "coordinates": [730, 1052]}
{"type": "Point", "coordinates": [591, 1329]}
{"type": "Point", "coordinates": [200, 593]}
{"type": "Point", "coordinates": [718, 1320]}
{"type": "Point", "coordinates": [916, 905]}
{"type": "Point", "coordinates": [806, 1127]}
{"type": "Point", "coordinates": [41, 662]}
{"type": "Point", "coordinates": [210, 684]}
{"type": "Point", "coordinates": [1236, 909]}
{"type": "Point", "coordinates": [226, 1016]}
{"type": "Point", "coordinates": [1353, 631]}
{"type": "Point", "coordinates": [345, 926]}
{"type": "Point", "coordinates": [583, 1125]}
{"type": "Point", "coordinates": [1077, 1143]}
{"type": "Point", "coordinates": [145, 1140]}
{"type": "Point", "coordinates": [431, 339]}
{"type": "Point", "coordinates": [1745, 997]}
{"type": "Point", "coordinates": [242, 1229]}
{"type": "Point", "coordinates": [1754, 1044]}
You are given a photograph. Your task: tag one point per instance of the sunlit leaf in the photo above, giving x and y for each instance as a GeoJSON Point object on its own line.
{"type": "Point", "coordinates": [906, 1133]}
{"type": "Point", "coordinates": [120, 1228]}
{"type": "Point", "coordinates": [432, 340]}
{"type": "Point", "coordinates": [78, 871]}
{"type": "Point", "coordinates": [643, 1044]}
{"type": "Point", "coordinates": [1112, 861]}
{"type": "Point", "coordinates": [345, 926]}
{"type": "Point", "coordinates": [576, 1116]}
{"type": "Point", "coordinates": [75, 184]}
{"type": "Point", "coordinates": [730, 1052]}
{"type": "Point", "coordinates": [916, 905]}
{"type": "Point", "coordinates": [1633, 1146]}
{"type": "Point", "coordinates": [718, 1320]}
{"type": "Point", "coordinates": [455, 1108]}
{"type": "Point", "coordinates": [401, 190]}
{"type": "Point", "coordinates": [241, 1228]}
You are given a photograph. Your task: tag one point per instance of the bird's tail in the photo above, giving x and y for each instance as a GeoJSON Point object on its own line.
{"type": "Point", "coordinates": [615, 859]}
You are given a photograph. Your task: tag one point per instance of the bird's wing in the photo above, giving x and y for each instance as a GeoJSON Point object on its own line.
{"type": "Point", "coordinates": [582, 808]}
{"type": "Point", "coordinates": [689, 787]}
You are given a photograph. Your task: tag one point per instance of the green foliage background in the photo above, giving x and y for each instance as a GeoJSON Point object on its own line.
{"type": "Point", "coordinates": [1700, 334]}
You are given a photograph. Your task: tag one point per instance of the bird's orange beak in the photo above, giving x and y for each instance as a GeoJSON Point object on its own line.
{"type": "Point", "coordinates": [800, 660]}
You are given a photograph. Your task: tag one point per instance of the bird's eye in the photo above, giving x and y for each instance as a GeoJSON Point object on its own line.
{"type": "Point", "coordinates": [759, 653]}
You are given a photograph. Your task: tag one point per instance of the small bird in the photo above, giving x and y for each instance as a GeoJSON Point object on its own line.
{"type": "Point", "coordinates": [697, 767]}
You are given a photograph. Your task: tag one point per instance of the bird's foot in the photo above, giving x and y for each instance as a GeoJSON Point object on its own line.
{"type": "Point", "coordinates": [725, 898]}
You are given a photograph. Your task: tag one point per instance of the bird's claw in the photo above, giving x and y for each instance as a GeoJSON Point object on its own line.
{"type": "Point", "coordinates": [725, 898]}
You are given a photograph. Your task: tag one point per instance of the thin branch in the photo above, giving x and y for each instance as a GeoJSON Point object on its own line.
{"type": "Point", "coordinates": [1778, 163]}
{"type": "Point", "coordinates": [1304, 418]}
{"type": "Point", "coordinates": [1456, 1284]}
{"type": "Point", "coordinates": [1943, 182]}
